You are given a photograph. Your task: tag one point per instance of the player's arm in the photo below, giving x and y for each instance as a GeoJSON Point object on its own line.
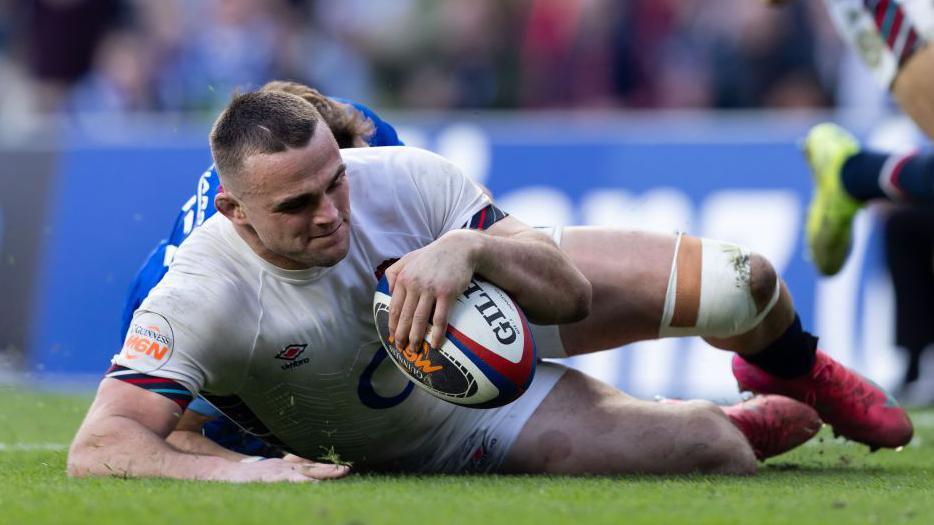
{"type": "Point", "coordinates": [529, 265]}
{"type": "Point", "coordinates": [124, 434]}
{"type": "Point", "coordinates": [524, 262]}
{"type": "Point", "coordinates": [188, 437]}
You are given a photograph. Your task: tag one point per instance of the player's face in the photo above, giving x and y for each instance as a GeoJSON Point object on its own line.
{"type": "Point", "coordinates": [297, 202]}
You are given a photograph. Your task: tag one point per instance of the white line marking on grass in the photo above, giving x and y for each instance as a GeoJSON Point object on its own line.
{"type": "Point", "coordinates": [33, 447]}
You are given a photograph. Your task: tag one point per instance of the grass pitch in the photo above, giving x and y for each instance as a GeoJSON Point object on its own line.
{"type": "Point", "coordinates": [827, 481]}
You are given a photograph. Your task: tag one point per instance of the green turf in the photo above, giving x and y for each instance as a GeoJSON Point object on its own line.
{"type": "Point", "coordinates": [826, 482]}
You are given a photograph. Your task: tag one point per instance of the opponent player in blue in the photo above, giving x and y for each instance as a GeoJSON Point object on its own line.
{"type": "Point", "coordinates": [354, 125]}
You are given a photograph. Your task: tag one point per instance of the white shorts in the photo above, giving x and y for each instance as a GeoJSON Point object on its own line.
{"type": "Point", "coordinates": [477, 440]}
{"type": "Point", "coordinates": [885, 33]}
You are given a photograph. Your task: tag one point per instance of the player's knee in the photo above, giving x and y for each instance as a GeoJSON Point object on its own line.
{"type": "Point", "coordinates": [733, 458]}
{"type": "Point", "coordinates": [763, 282]}
{"type": "Point", "coordinates": [713, 443]}
{"type": "Point", "coordinates": [705, 422]}
{"type": "Point", "coordinates": [717, 289]}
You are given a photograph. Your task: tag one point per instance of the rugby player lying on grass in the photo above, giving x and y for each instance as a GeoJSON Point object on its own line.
{"type": "Point", "coordinates": [273, 271]}
{"type": "Point", "coordinates": [614, 261]}
{"type": "Point", "coordinates": [355, 125]}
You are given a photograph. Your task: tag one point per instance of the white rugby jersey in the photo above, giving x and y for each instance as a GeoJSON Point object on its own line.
{"type": "Point", "coordinates": [294, 355]}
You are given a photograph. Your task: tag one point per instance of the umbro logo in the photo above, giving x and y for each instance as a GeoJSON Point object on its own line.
{"type": "Point", "coordinates": [291, 353]}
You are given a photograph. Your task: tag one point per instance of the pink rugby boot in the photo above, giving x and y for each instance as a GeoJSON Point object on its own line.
{"type": "Point", "coordinates": [854, 406]}
{"type": "Point", "coordinates": [773, 425]}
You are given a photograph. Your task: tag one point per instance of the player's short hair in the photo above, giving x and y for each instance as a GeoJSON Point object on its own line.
{"type": "Point", "coordinates": [260, 122]}
{"type": "Point", "coordinates": [349, 126]}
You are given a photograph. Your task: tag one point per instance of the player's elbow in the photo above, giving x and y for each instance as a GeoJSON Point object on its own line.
{"type": "Point", "coordinates": [563, 303]}
{"type": "Point", "coordinates": [89, 452]}
{"type": "Point", "coordinates": [80, 462]}
{"type": "Point", "coordinates": [185, 440]}
{"type": "Point", "coordinates": [578, 299]}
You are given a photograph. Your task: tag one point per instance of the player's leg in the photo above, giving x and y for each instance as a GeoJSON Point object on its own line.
{"type": "Point", "coordinates": [913, 88]}
{"type": "Point", "coordinates": [647, 286]}
{"type": "Point", "coordinates": [628, 272]}
{"type": "Point", "coordinates": [584, 426]}
{"type": "Point", "coordinates": [890, 37]}
{"type": "Point", "coordinates": [587, 427]}
{"type": "Point", "coordinates": [779, 357]}
{"type": "Point", "coordinates": [637, 278]}
{"type": "Point", "coordinates": [735, 300]}
{"type": "Point", "coordinates": [845, 178]}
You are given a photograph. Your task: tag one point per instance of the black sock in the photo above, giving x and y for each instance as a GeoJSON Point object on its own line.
{"type": "Point", "coordinates": [791, 355]}
{"type": "Point", "coordinates": [913, 371]}
{"type": "Point", "coordinates": [860, 176]}
{"type": "Point", "coordinates": [866, 176]}
{"type": "Point", "coordinates": [914, 179]}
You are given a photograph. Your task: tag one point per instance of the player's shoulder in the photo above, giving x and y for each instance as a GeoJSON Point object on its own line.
{"type": "Point", "coordinates": [398, 175]}
{"type": "Point", "coordinates": [206, 275]}
{"type": "Point", "coordinates": [396, 164]}
{"type": "Point", "coordinates": [207, 246]}
{"type": "Point", "coordinates": [390, 154]}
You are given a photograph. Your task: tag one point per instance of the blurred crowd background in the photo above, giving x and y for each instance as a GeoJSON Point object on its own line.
{"type": "Point", "coordinates": [67, 56]}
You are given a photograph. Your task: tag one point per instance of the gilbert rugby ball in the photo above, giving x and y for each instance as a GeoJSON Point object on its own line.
{"type": "Point", "coordinates": [487, 359]}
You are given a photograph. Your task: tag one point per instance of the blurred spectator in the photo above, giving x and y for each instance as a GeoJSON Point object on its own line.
{"type": "Point", "coordinates": [767, 60]}
{"type": "Point", "coordinates": [189, 55]}
{"type": "Point", "coordinates": [549, 38]}
{"type": "Point", "coordinates": [235, 43]}
{"type": "Point", "coordinates": [647, 53]}
{"type": "Point", "coordinates": [61, 38]}
{"type": "Point", "coordinates": [330, 55]}
{"type": "Point", "coordinates": [120, 80]}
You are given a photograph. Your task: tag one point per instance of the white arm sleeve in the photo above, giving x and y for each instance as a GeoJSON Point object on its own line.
{"type": "Point", "coordinates": [180, 333]}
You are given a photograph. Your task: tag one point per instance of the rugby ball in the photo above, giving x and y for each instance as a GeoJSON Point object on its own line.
{"type": "Point", "coordinates": [487, 359]}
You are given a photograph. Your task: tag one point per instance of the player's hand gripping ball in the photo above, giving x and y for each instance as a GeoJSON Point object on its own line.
{"type": "Point", "coordinates": [487, 359]}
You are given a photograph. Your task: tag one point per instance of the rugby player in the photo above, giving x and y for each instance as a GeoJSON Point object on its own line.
{"type": "Point", "coordinates": [891, 37]}
{"type": "Point", "coordinates": [355, 125]}
{"type": "Point", "coordinates": [290, 262]}
{"type": "Point", "coordinates": [567, 422]}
